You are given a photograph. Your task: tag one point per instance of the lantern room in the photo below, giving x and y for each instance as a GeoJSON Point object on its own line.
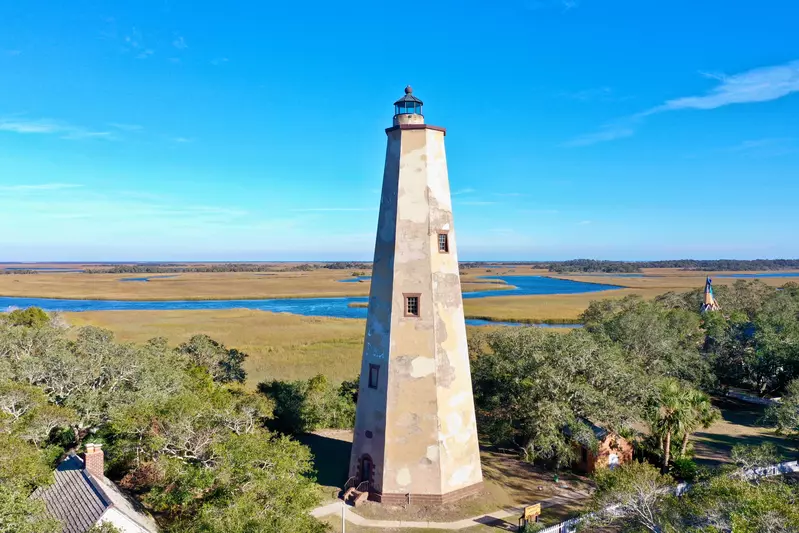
{"type": "Point", "coordinates": [408, 104]}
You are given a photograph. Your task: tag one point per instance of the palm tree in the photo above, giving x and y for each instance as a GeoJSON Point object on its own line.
{"type": "Point", "coordinates": [671, 413]}
{"type": "Point", "coordinates": [704, 416]}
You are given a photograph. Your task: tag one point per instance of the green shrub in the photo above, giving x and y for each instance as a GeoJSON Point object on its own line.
{"type": "Point", "coordinates": [307, 405]}
{"type": "Point", "coordinates": [685, 469]}
{"type": "Point", "coordinates": [32, 317]}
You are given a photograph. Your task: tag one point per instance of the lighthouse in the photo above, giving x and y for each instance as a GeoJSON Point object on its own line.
{"type": "Point", "coordinates": [415, 437]}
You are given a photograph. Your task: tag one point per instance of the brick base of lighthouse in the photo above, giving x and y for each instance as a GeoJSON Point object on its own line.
{"type": "Point", "coordinates": [426, 499]}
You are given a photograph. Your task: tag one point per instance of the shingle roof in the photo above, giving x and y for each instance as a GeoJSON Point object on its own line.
{"type": "Point", "coordinates": [409, 97]}
{"type": "Point", "coordinates": [78, 499]}
{"type": "Point", "coordinates": [73, 498]}
{"type": "Point", "coordinates": [599, 432]}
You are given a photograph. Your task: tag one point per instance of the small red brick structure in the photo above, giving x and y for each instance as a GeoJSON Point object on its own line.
{"type": "Point", "coordinates": [612, 450]}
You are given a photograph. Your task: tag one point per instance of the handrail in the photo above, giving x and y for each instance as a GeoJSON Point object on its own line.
{"type": "Point", "coordinates": [365, 485]}
{"type": "Point", "coordinates": [349, 484]}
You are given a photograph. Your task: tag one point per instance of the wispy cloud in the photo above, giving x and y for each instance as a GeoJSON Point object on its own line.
{"type": "Point", "coordinates": [585, 222]}
{"type": "Point", "coordinates": [180, 43]}
{"type": "Point", "coordinates": [540, 211]}
{"type": "Point", "coordinates": [49, 127]}
{"type": "Point", "coordinates": [769, 147]}
{"type": "Point", "coordinates": [564, 5]}
{"type": "Point", "coordinates": [134, 43]}
{"type": "Point", "coordinates": [134, 39]}
{"type": "Point", "coordinates": [462, 191]}
{"type": "Point", "coordinates": [596, 94]}
{"type": "Point", "coordinates": [476, 202]}
{"type": "Point", "coordinates": [182, 140]}
{"type": "Point", "coordinates": [757, 85]}
{"type": "Point", "coordinates": [12, 52]}
{"type": "Point", "coordinates": [39, 187]}
{"type": "Point", "coordinates": [323, 209]}
{"type": "Point", "coordinates": [609, 132]}
{"type": "Point", "coordinates": [509, 194]}
{"type": "Point", "coordinates": [126, 127]}
{"type": "Point", "coordinates": [219, 61]}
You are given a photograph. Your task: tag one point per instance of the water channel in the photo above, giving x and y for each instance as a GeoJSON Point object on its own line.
{"type": "Point", "coordinates": [328, 307]}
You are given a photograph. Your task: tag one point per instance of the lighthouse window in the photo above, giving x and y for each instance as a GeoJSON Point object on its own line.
{"type": "Point", "coordinates": [443, 243]}
{"type": "Point", "coordinates": [374, 376]}
{"type": "Point", "coordinates": [412, 305]}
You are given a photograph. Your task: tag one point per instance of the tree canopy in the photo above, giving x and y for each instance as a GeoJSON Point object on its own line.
{"type": "Point", "coordinates": [179, 430]}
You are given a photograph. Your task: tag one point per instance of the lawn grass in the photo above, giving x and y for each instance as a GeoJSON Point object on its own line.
{"type": "Point", "coordinates": [508, 483]}
{"type": "Point", "coordinates": [741, 423]}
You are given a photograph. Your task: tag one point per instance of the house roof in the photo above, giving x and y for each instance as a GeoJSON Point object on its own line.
{"type": "Point", "coordinates": [599, 432]}
{"type": "Point", "coordinates": [78, 499]}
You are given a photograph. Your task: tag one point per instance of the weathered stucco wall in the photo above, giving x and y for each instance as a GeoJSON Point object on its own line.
{"type": "Point", "coordinates": [421, 418]}
{"type": "Point", "coordinates": [371, 413]}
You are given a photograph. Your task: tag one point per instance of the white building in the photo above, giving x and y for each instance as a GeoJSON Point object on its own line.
{"type": "Point", "coordinates": [81, 497]}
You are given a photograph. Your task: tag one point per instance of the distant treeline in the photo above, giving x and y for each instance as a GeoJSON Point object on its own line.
{"type": "Point", "coordinates": [723, 264]}
{"type": "Point", "coordinates": [159, 269]}
{"type": "Point", "coordinates": [593, 265]}
{"type": "Point", "coordinates": [24, 271]}
{"type": "Point", "coordinates": [574, 265]}
{"type": "Point", "coordinates": [346, 266]}
{"type": "Point", "coordinates": [151, 268]}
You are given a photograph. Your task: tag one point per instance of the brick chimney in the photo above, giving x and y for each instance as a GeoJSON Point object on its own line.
{"type": "Point", "coordinates": [94, 462]}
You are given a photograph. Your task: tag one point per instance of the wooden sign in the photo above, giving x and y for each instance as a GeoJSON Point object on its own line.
{"type": "Point", "coordinates": [531, 511]}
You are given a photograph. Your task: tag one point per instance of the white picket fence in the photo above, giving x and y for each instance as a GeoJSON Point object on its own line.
{"type": "Point", "coordinates": [564, 527]}
{"type": "Point", "coordinates": [779, 469]}
{"type": "Point", "coordinates": [789, 467]}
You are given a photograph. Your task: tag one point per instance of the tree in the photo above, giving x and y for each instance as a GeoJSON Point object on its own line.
{"type": "Point", "coordinates": [307, 405]}
{"type": "Point", "coordinates": [702, 414]}
{"type": "Point", "coordinates": [262, 484]}
{"type": "Point", "coordinates": [733, 504]}
{"type": "Point", "coordinates": [670, 413]}
{"type": "Point", "coordinates": [785, 414]}
{"type": "Point", "coordinates": [663, 341]}
{"type": "Point", "coordinates": [225, 365]}
{"type": "Point", "coordinates": [634, 497]}
{"type": "Point", "coordinates": [530, 385]}
{"type": "Point", "coordinates": [750, 458]}
{"type": "Point", "coordinates": [32, 317]}
{"type": "Point", "coordinates": [23, 467]}
{"type": "Point", "coordinates": [20, 514]}
{"type": "Point", "coordinates": [177, 425]}
{"type": "Point", "coordinates": [753, 342]}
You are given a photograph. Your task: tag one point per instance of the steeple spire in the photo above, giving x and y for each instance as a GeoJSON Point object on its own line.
{"type": "Point", "coordinates": [710, 303]}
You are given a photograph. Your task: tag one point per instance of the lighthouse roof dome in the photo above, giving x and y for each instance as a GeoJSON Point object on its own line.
{"type": "Point", "coordinates": [409, 97]}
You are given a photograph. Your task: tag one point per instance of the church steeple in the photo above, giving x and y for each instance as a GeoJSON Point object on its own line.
{"type": "Point", "coordinates": [710, 303]}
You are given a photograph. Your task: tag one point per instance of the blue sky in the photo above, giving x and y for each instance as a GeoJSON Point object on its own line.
{"type": "Point", "coordinates": [176, 130]}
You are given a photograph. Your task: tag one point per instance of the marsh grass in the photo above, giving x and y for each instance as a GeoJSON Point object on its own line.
{"type": "Point", "coordinates": [280, 345]}
{"type": "Point", "coordinates": [319, 283]}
